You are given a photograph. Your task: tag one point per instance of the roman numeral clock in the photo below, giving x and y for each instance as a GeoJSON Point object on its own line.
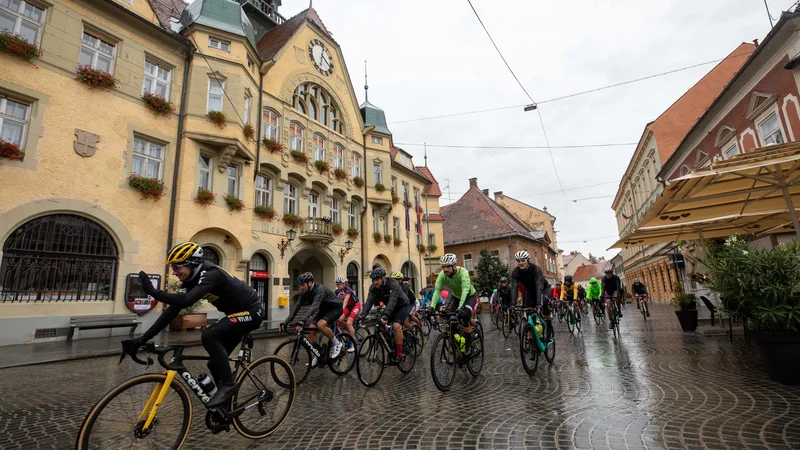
{"type": "Point", "coordinates": [320, 57]}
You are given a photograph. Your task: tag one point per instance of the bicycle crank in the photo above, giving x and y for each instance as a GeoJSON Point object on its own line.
{"type": "Point", "coordinates": [216, 423]}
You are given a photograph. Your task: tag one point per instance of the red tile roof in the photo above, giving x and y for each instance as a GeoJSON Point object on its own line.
{"type": "Point", "coordinates": [435, 217]}
{"type": "Point", "coordinates": [170, 9]}
{"type": "Point", "coordinates": [432, 189]}
{"type": "Point", "coordinates": [271, 43]}
{"type": "Point", "coordinates": [393, 151]}
{"type": "Point", "coordinates": [588, 271]}
{"type": "Point", "coordinates": [475, 217]}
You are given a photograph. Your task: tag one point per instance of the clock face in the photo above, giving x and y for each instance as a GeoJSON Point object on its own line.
{"type": "Point", "coordinates": [320, 57]}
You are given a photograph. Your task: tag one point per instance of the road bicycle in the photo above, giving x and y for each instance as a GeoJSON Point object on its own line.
{"type": "Point", "coordinates": [510, 321]}
{"type": "Point", "coordinates": [373, 355]}
{"type": "Point", "coordinates": [448, 352]}
{"type": "Point", "coordinates": [573, 318]}
{"type": "Point", "coordinates": [560, 310]}
{"type": "Point", "coordinates": [598, 311]}
{"type": "Point", "coordinates": [643, 303]}
{"type": "Point", "coordinates": [301, 353]}
{"type": "Point", "coordinates": [154, 410]}
{"type": "Point", "coordinates": [615, 316]}
{"type": "Point", "coordinates": [535, 339]}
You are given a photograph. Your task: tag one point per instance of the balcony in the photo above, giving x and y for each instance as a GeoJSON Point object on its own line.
{"type": "Point", "coordinates": [266, 8]}
{"type": "Point", "coordinates": [317, 230]}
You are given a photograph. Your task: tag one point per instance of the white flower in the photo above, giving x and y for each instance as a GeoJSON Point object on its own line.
{"type": "Point", "coordinates": [728, 243]}
{"type": "Point", "coordinates": [745, 252]}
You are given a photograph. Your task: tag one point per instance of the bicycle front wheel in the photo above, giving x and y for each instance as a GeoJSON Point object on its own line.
{"type": "Point", "coordinates": [371, 361]}
{"type": "Point", "coordinates": [298, 356]}
{"type": "Point", "coordinates": [409, 358]}
{"type": "Point", "coordinates": [596, 315]}
{"type": "Point", "coordinates": [419, 336]}
{"type": "Point", "coordinates": [528, 351]}
{"type": "Point", "coordinates": [475, 363]}
{"type": "Point", "coordinates": [266, 392]}
{"type": "Point", "coordinates": [443, 362]}
{"type": "Point", "coordinates": [507, 325]}
{"type": "Point", "coordinates": [570, 322]}
{"type": "Point", "coordinates": [117, 420]}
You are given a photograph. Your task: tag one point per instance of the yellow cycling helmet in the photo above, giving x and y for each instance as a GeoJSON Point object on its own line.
{"type": "Point", "coordinates": [185, 253]}
{"type": "Point", "coordinates": [397, 275]}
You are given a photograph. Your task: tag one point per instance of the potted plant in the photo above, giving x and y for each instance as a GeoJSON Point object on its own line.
{"type": "Point", "coordinates": [204, 197]}
{"type": "Point", "coordinates": [377, 237]}
{"type": "Point", "coordinates": [149, 187]}
{"type": "Point", "coordinates": [299, 156]}
{"type": "Point", "coordinates": [249, 132]}
{"type": "Point", "coordinates": [387, 238]}
{"type": "Point", "coordinates": [322, 166]}
{"type": "Point", "coordinates": [12, 44]}
{"type": "Point", "coordinates": [379, 187]}
{"type": "Point", "coordinates": [432, 248]}
{"type": "Point", "coordinates": [395, 197]}
{"type": "Point", "coordinates": [292, 220]}
{"type": "Point", "coordinates": [352, 233]}
{"type": "Point", "coordinates": [760, 289]}
{"type": "Point", "coordinates": [157, 104]}
{"type": "Point", "coordinates": [272, 145]}
{"type": "Point", "coordinates": [420, 248]}
{"type": "Point", "coordinates": [265, 212]}
{"type": "Point", "coordinates": [95, 78]}
{"type": "Point", "coordinates": [398, 242]}
{"type": "Point", "coordinates": [189, 318]}
{"type": "Point", "coordinates": [336, 229]}
{"type": "Point", "coordinates": [685, 305]}
{"type": "Point", "coordinates": [10, 151]}
{"type": "Point", "coordinates": [358, 181]}
{"type": "Point", "coordinates": [233, 203]}
{"type": "Point", "coordinates": [217, 118]}
{"type": "Point", "coordinates": [340, 174]}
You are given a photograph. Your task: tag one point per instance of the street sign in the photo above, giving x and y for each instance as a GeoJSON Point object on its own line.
{"type": "Point", "coordinates": [135, 298]}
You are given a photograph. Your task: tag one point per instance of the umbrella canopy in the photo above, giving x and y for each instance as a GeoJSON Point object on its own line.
{"type": "Point", "coordinates": [755, 192]}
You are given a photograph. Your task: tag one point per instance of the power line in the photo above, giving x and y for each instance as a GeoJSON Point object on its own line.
{"type": "Point", "coordinates": [516, 147]}
{"type": "Point", "coordinates": [587, 240]}
{"type": "Point", "coordinates": [669, 72]}
{"type": "Point", "coordinates": [553, 160]}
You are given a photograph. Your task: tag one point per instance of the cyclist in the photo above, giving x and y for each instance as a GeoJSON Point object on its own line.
{"type": "Point", "coordinates": [569, 292]}
{"type": "Point", "coordinates": [594, 293]}
{"type": "Point", "coordinates": [555, 293]}
{"type": "Point", "coordinates": [326, 308]}
{"type": "Point", "coordinates": [412, 299]}
{"type": "Point", "coordinates": [463, 296]}
{"type": "Point", "coordinates": [427, 294]}
{"type": "Point", "coordinates": [639, 291]}
{"type": "Point", "coordinates": [612, 288]}
{"type": "Point", "coordinates": [582, 294]}
{"type": "Point", "coordinates": [202, 280]}
{"type": "Point", "coordinates": [350, 306]}
{"type": "Point", "coordinates": [388, 291]}
{"type": "Point", "coordinates": [504, 292]}
{"type": "Point", "coordinates": [529, 276]}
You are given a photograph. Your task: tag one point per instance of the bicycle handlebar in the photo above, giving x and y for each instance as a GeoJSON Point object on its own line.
{"type": "Point", "coordinates": [128, 348]}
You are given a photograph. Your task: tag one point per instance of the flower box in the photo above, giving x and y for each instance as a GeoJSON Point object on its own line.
{"type": "Point", "coordinates": [217, 118]}
{"type": "Point", "coordinates": [95, 78]}
{"type": "Point", "coordinates": [157, 104]}
{"type": "Point", "coordinates": [358, 181]}
{"type": "Point", "coordinates": [249, 132]}
{"type": "Point", "coordinates": [398, 242]}
{"type": "Point", "coordinates": [292, 220]}
{"type": "Point", "coordinates": [204, 197]}
{"type": "Point", "coordinates": [322, 166]}
{"type": "Point", "coordinates": [377, 237]}
{"type": "Point", "coordinates": [12, 44]}
{"type": "Point", "coordinates": [395, 197]}
{"type": "Point", "coordinates": [340, 174]}
{"type": "Point", "coordinates": [299, 156]}
{"type": "Point", "coordinates": [265, 212]}
{"type": "Point", "coordinates": [420, 248]}
{"type": "Point", "coordinates": [10, 151]}
{"type": "Point", "coordinates": [233, 202]}
{"type": "Point", "coordinates": [432, 248]}
{"type": "Point", "coordinates": [149, 187]}
{"type": "Point", "coordinates": [337, 229]}
{"type": "Point", "coordinates": [387, 238]}
{"type": "Point", "coordinates": [379, 187]}
{"type": "Point", "coordinates": [352, 233]}
{"type": "Point", "coordinates": [272, 145]}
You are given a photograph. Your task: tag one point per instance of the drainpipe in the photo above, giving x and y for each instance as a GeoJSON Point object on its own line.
{"type": "Point", "coordinates": [262, 72]}
{"type": "Point", "coordinates": [366, 198]}
{"type": "Point", "coordinates": [178, 146]}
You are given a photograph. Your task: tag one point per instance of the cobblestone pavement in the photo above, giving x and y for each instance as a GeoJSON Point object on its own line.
{"type": "Point", "coordinates": [656, 388]}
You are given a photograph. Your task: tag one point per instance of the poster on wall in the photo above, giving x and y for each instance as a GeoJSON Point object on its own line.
{"type": "Point", "coordinates": [135, 298]}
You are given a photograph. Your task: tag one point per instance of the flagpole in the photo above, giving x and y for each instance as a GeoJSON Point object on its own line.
{"type": "Point", "coordinates": [408, 227]}
{"type": "Point", "coordinates": [428, 219]}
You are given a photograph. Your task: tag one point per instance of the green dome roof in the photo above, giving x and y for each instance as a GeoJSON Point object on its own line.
{"type": "Point", "coordinates": [223, 15]}
{"type": "Point", "coordinates": [374, 116]}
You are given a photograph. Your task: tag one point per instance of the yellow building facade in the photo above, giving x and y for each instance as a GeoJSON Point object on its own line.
{"type": "Point", "coordinates": [72, 226]}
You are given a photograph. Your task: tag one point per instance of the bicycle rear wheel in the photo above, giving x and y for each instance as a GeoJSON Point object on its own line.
{"type": "Point", "coordinates": [410, 352]}
{"type": "Point", "coordinates": [371, 361]}
{"type": "Point", "coordinates": [560, 312]}
{"type": "Point", "coordinates": [578, 319]}
{"type": "Point", "coordinates": [299, 357]}
{"type": "Point", "coordinates": [443, 362]}
{"type": "Point", "coordinates": [419, 336]}
{"type": "Point", "coordinates": [643, 308]}
{"type": "Point", "coordinates": [116, 422]}
{"type": "Point", "coordinates": [475, 363]}
{"type": "Point", "coordinates": [267, 394]}
{"type": "Point", "coordinates": [570, 322]}
{"type": "Point", "coordinates": [347, 358]}
{"type": "Point", "coordinates": [528, 351]}
{"type": "Point", "coordinates": [507, 324]}
{"type": "Point", "coordinates": [550, 350]}
{"type": "Point", "coordinates": [426, 325]}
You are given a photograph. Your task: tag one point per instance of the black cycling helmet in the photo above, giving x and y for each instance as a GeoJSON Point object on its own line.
{"type": "Point", "coordinates": [567, 278]}
{"type": "Point", "coordinates": [378, 272]}
{"type": "Point", "coordinates": [305, 277]}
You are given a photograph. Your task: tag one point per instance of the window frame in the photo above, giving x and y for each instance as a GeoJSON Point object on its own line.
{"type": "Point", "coordinates": [210, 171]}
{"type": "Point", "coordinates": [19, 18]}
{"type": "Point", "coordinates": [287, 198]}
{"type": "Point", "coordinates": [338, 156]}
{"type": "Point", "coordinates": [377, 140]}
{"type": "Point", "coordinates": [375, 221]}
{"type": "Point", "coordinates": [732, 144]}
{"type": "Point", "coordinates": [396, 227]}
{"type": "Point", "coordinates": [355, 169]}
{"type": "Point", "coordinates": [316, 103]}
{"type": "Point", "coordinates": [377, 172]}
{"type": "Point", "coordinates": [318, 142]}
{"type": "Point", "coordinates": [314, 201]}
{"type": "Point", "coordinates": [247, 100]}
{"type": "Point", "coordinates": [336, 216]}
{"type": "Point", "coordinates": [266, 115]}
{"type": "Point", "coordinates": [352, 216]}
{"type": "Point", "coordinates": [155, 79]}
{"type": "Point", "coordinates": [221, 96]}
{"type": "Point", "coordinates": [294, 138]}
{"type": "Point", "coordinates": [263, 192]}
{"type": "Point", "coordinates": [235, 179]}
{"type": "Point", "coordinates": [7, 117]}
{"type": "Point", "coordinates": [96, 50]}
{"type": "Point", "coordinates": [221, 43]}
{"type": "Point", "coordinates": [767, 115]}
{"type": "Point", "coordinates": [467, 261]}
{"type": "Point", "coordinates": [145, 157]}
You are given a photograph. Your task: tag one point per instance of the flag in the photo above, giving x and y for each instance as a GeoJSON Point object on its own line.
{"type": "Point", "coordinates": [419, 216]}
{"type": "Point", "coordinates": [405, 199]}
{"type": "Point", "coordinates": [626, 217]}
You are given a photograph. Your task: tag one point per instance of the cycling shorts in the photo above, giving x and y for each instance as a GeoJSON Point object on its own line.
{"type": "Point", "coordinates": [471, 301]}
{"type": "Point", "coordinates": [329, 315]}
{"type": "Point", "coordinates": [352, 313]}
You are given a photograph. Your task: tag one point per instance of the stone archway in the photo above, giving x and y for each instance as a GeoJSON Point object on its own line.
{"type": "Point", "coordinates": [382, 261]}
{"type": "Point", "coordinates": [313, 260]}
{"type": "Point", "coordinates": [409, 270]}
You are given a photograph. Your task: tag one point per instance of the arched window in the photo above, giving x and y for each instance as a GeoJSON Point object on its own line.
{"type": "Point", "coordinates": [257, 262]}
{"type": "Point", "coordinates": [684, 170]}
{"type": "Point", "coordinates": [58, 257]}
{"type": "Point", "coordinates": [319, 148]}
{"type": "Point", "coordinates": [271, 122]}
{"type": "Point", "coordinates": [210, 255]}
{"type": "Point", "coordinates": [356, 165]}
{"type": "Point", "coordinates": [263, 191]}
{"type": "Point", "coordinates": [295, 137]}
{"type": "Point", "coordinates": [313, 101]}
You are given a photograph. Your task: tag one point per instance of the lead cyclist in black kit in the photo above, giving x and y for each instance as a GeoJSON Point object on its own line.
{"type": "Point", "coordinates": [202, 280]}
{"type": "Point", "coordinates": [531, 277]}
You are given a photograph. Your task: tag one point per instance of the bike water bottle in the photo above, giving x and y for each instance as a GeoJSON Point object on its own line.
{"type": "Point", "coordinates": [207, 383]}
{"type": "Point", "coordinates": [539, 331]}
{"type": "Point", "coordinates": [461, 342]}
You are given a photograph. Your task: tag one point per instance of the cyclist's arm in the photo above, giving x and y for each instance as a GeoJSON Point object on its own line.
{"type": "Point", "coordinates": [394, 297]}
{"type": "Point", "coordinates": [466, 286]}
{"type": "Point", "coordinates": [319, 297]}
{"type": "Point", "coordinates": [208, 281]}
{"type": "Point", "coordinates": [168, 315]}
{"type": "Point", "coordinates": [514, 289]}
{"type": "Point", "coordinates": [619, 286]}
{"type": "Point", "coordinates": [437, 290]}
{"type": "Point", "coordinates": [370, 300]}
{"type": "Point", "coordinates": [563, 294]}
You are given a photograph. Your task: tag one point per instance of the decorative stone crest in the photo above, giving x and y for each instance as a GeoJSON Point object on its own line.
{"type": "Point", "coordinates": [85, 143]}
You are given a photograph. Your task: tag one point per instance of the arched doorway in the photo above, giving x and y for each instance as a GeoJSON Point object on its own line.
{"type": "Point", "coordinates": [408, 271]}
{"type": "Point", "coordinates": [382, 261]}
{"type": "Point", "coordinates": [210, 255]}
{"type": "Point", "coordinates": [258, 271]}
{"type": "Point", "coordinates": [353, 278]}
{"type": "Point", "coordinates": [313, 260]}
{"type": "Point", "coordinates": [59, 257]}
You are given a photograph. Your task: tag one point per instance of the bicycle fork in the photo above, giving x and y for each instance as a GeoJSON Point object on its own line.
{"type": "Point", "coordinates": [156, 397]}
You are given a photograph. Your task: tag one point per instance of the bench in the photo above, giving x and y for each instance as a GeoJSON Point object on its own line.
{"type": "Point", "coordinates": [100, 321]}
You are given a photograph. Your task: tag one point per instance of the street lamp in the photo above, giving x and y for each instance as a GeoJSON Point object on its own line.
{"type": "Point", "coordinates": [348, 244]}
{"type": "Point", "coordinates": [290, 235]}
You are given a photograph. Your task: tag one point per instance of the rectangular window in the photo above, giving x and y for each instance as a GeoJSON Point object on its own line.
{"type": "Point", "coordinates": [496, 253]}
{"type": "Point", "coordinates": [377, 140]}
{"type": "Point", "coordinates": [270, 125]}
{"type": "Point", "coordinates": [356, 165]}
{"type": "Point", "coordinates": [205, 172]}
{"type": "Point", "coordinates": [396, 228]}
{"type": "Point", "coordinates": [219, 44]}
{"type": "Point", "coordinates": [215, 94]}
{"type": "Point", "coordinates": [23, 19]}
{"type": "Point", "coordinates": [338, 157]}
{"type": "Point", "coordinates": [251, 65]}
{"type": "Point", "coordinates": [97, 53]}
{"type": "Point", "coordinates": [14, 116]}
{"type": "Point", "coordinates": [319, 148]}
{"type": "Point", "coordinates": [313, 204]}
{"type": "Point", "coordinates": [771, 130]}
{"type": "Point", "coordinates": [375, 221]}
{"type": "Point", "coordinates": [376, 168]}
{"type": "Point", "coordinates": [335, 214]}
{"type": "Point", "coordinates": [295, 137]}
{"type": "Point", "coordinates": [148, 158]}
{"type": "Point", "coordinates": [404, 160]}
{"type": "Point", "coordinates": [731, 151]}
{"type": "Point", "coordinates": [386, 225]}
{"type": "Point", "coordinates": [468, 261]}
{"type": "Point", "coordinates": [431, 239]}
{"type": "Point", "coordinates": [290, 199]}
{"type": "Point", "coordinates": [394, 184]}
{"type": "Point", "coordinates": [156, 79]}
{"type": "Point", "coordinates": [263, 191]}
{"type": "Point", "coordinates": [233, 181]}
{"type": "Point", "coordinates": [352, 216]}
{"type": "Point", "coordinates": [246, 109]}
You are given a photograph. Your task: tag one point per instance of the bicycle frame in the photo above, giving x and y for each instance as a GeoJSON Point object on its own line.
{"type": "Point", "coordinates": [532, 316]}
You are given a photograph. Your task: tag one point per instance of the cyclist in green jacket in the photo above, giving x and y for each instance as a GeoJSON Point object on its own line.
{"type": "Point", "coordinates": [463, 294]}
{"type": "Point", "coordinates": [594, 293]}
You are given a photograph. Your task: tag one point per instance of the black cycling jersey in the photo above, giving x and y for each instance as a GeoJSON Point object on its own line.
{"type": "Point", "coordinates": [581, 293]}
{"type": "Point", "coordinates": [319, 297]}
{"type": "Point", "coordinates": [505, 295]}
{"type": "Point", "coordinates": [409, 293]}
{"type": "Point", "coordinates": [534, 283]}
{"type": "Point", "coordinates": [611, 285]}
{"type": "Point", "coordinates": [639, 289]}
{"type": "Point", "coordinates": [391, 294]}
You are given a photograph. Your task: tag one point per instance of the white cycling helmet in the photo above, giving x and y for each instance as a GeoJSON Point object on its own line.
{"type": "Point", "coordinates": [522, 255]}
{"type": "Point", "coordinates": [340, 280]}
{"type": "Point", "coordinates": [635, 280]}
{"type": "Point", "coordinates": [448, 259]}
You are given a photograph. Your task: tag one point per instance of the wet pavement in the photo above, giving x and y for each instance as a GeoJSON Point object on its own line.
{"type": "Point", "coordinates": [656, 387]}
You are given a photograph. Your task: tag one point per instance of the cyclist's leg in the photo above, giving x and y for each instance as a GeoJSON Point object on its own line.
{"type": "Point", "coordinates": [400, 316]}
{"type": "Point", "coordinates": [351, 319]}
{"type": "Point", "coordinates": [618, 299]}
{"type": "Point", "coordinates": [219, 340]}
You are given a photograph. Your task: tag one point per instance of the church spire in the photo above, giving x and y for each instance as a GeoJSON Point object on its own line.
{"type": "Point", "coordinates": [366, 85]}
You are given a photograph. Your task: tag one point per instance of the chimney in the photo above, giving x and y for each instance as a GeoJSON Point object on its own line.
{"type": "Point", "coordinates": [498, 194]}
{"type": "Point", "coordinates": [486, 192]}
{"type": "Point", "coordinates": [755, 41]}
{"type": "Point", "coordinates": [473, 182]}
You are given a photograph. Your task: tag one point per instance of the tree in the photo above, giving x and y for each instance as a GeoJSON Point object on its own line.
{"type": "Point", "coordinates": [592, 259]}
{"type": "Point", "coordinates": [489, 270]}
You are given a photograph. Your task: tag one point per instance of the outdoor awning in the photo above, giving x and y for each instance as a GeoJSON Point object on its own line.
{"type": "Point", "coordinates": [755, 192]}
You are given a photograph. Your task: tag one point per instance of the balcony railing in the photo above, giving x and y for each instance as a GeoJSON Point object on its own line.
{"type": "Point", "coordinates": [267, 9]}
{"type": "Point", "coordinates": [317, 229]}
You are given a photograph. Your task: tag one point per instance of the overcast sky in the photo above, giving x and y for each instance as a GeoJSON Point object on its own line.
{"type": "Point", "coordinates": [433, 58]}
